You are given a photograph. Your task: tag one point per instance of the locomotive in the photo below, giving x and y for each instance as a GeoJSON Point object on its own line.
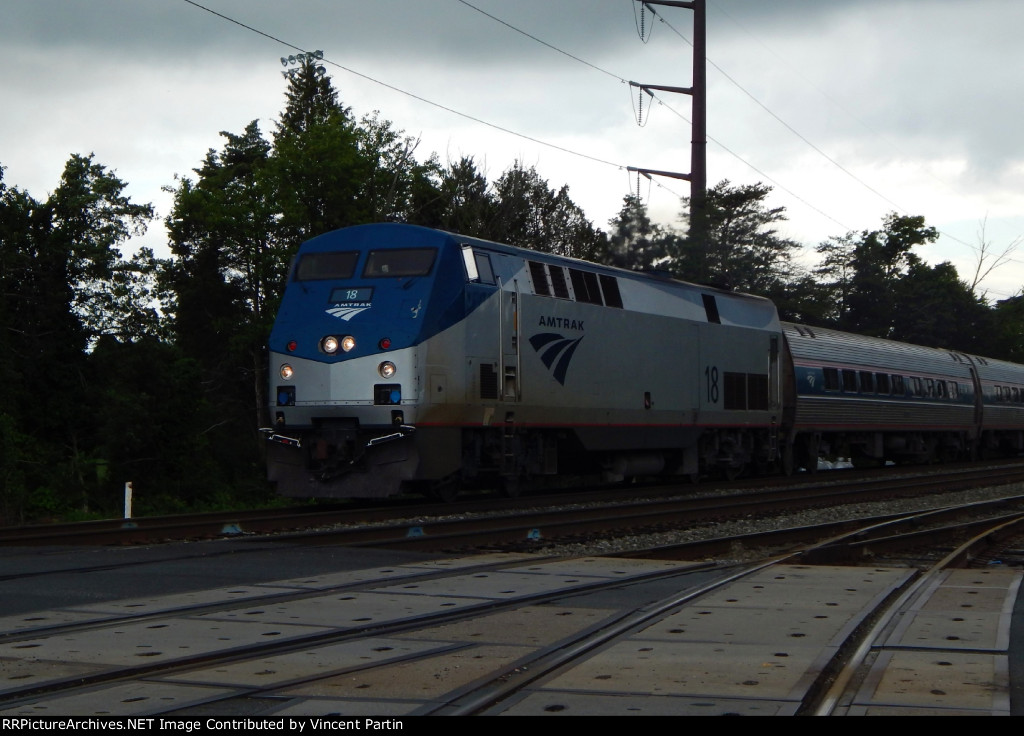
{"type": "Point", "coordinates": [410, 359]}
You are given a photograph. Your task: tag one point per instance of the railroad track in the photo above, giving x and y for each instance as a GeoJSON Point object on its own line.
{"type": "Point", "coordinates": [502, 634]}
{"type": "Point", "coordinates": [961, 667]}
{"type": "Point", "coordinates": [513, 524]}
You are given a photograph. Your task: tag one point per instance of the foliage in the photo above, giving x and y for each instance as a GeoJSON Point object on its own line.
{"type": "Point", "coordinates": [63, 285]}
{"type": "Point", "coordinates": [1008, 329]}
{"type": "Point", "coordinates": [461, 201]}
{"type": "Point", "coordinates": [532, 215]}
{"type": "Point", "coordinates": [738, 246]}
{"type": "Point", "coordinates": [634, 241]}
{"type": "Point", "coordinates": [135, 368]}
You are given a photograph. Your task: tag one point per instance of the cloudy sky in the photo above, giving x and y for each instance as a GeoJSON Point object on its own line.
{"type": "Point", "coordinates": [850, 109]}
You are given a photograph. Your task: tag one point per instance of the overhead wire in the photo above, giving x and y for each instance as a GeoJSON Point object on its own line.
{"type": "Point", "coordinates": [412, 95]}
{"type": "Point", "coordinates": [639, 115]}
{"type": "Point", "coordinates": [788, 127]}
{"type": "Point", "coordinates": [540, 41]}
{"type": "Point", "coordinates": [755, 169]}
{"type": "Point", "coordinates": [799, 135]}
{"type": "Point", "coordinates": [710, 138]}
{"type": "Point", "coordinates": [440, 106]}
{"type": "Point", "coordinates": [580, 60]}
{"type": "Point", "coordinates": [833, 101]}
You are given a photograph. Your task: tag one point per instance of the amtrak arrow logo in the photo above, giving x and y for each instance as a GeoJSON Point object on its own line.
{"type": "Point", "coordinates": [555, 352]}
{"type": "Point", "coordinates": [347, 312]}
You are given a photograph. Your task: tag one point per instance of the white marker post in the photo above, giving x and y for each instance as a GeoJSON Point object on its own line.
{"type": "Point", "coordinates": [128, 500]}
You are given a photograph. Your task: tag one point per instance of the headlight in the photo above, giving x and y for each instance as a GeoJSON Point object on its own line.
{"type": "Point", "coordinates": [387, 369]}
{"type": "Point", "coordinates": [287, 371]}
{"type": "Point", "coordinates": [329, 344]}
{"type": "Point", "coordinates": [348, 343]}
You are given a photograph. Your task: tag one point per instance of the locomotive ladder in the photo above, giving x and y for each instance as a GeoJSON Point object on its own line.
{"type": "Point", "coordinates": [508, 445]}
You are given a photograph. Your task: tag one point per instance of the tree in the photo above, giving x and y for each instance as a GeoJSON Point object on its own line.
{"type": "Point", "coordinates": [634, 241]}
{"type": "Point", "coordinates": [833, 277]}
{"type": "Point", "coordinates": [532, 215]}
{"type": "Point", "coordinates": [394, 182]}
{"type": "Point", "coordinates": [740, 248]}
{"type": "Point", "coordinates": [1008, 329]}
{"type": "Point", "coordinates": [226, 280]}
{"type": "Point", "coordinates": [880, 258]}
{"type": "Point", "coordinates": [317, 167]}
{"type": "Point", "coordinates": [988, 260]}
{"type": "Point", "coordinates": [229, 216]}
{"type": "Point", "coordinates": [63, 284]}
{"type": "Point", "coordinates": [460, 202]}
{"type": "Point", "coordinates": [91, 218]}
{"type": "Point", "coordinates": [935, 307]}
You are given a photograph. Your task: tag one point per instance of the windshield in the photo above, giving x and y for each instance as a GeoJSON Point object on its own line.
{"type": "Point", "coordinates": [404, 262]}
{"type": "Point", "coordinates": [315, 266]}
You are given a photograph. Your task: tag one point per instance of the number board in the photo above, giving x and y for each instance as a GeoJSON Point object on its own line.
{"type": "Point", "coordinates": [352, 295]}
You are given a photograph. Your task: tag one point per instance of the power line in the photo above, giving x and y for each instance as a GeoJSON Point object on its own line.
{"type": "Point", "coordinates": [798, 72]}
{"type": "Point", "coordinates": [797, 134]}
{"type": "Point", "coordinates": [755, 169]}
{"type": "Point", "coordinates": [718, 143]}
{"type": "Point", "coordinates": [540, 41]}
{"type": "Point", "coordinates": [580, 60]}
{"type": "Point", "coordinates": [439, 106]}
{"type": "Point", "coordinates": [508, 131]}
{"type": "Point", "coordinates": [788, 127]}
{"type": "Point", "coordinates": [410, 94]}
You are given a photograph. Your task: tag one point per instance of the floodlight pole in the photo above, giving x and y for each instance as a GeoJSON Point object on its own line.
{"type": "Point", "coordinates": [298, 60]}
{"type": "Point", "coordinates": [698, 176]}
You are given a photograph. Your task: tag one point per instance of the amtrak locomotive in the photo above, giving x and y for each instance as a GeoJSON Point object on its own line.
{"type": "Point", "coordinates": [409, 359]}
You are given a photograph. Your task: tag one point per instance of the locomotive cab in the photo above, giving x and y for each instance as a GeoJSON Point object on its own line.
{"type": "Point", "coordinates": [408, 356]}
{"type": "Point", "coordinates": [345, 359]}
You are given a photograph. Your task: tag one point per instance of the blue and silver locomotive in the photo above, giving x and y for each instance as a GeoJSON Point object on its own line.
{"type": "Point", "coordinates": [405, 358]}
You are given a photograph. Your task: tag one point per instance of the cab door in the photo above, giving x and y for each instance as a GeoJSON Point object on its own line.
{"type": "Point", "coordinates": [509, 342]}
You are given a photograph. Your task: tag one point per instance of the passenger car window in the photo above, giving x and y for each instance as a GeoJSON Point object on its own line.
{"type": "Point", "coordinates": [867, 382]}
{"type": "Point", "coordinates": [882, 383]}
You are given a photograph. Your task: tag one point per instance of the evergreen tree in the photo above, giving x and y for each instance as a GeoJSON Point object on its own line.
{"type": "Point", "coordinates": [395, 184]}
{"type": "Point", "coordinates": [318, 169]}
{"type": "Point", "coordinates": [460, 202]}
{"type": "Point", "coordinates": [226, 280]}
{"type": "Point", "coordinates": [740, 249]}
{"type": "Point", "coordinates": [935, 307]}
{"type": "Point", "coordinates": [834, 275]}
{"type": "Point", "coordinates": [532, 215]}
{"type": "Point", "coordinates": [635, 242]}
{"type": "Point", "coordinates": [1008, 330]}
